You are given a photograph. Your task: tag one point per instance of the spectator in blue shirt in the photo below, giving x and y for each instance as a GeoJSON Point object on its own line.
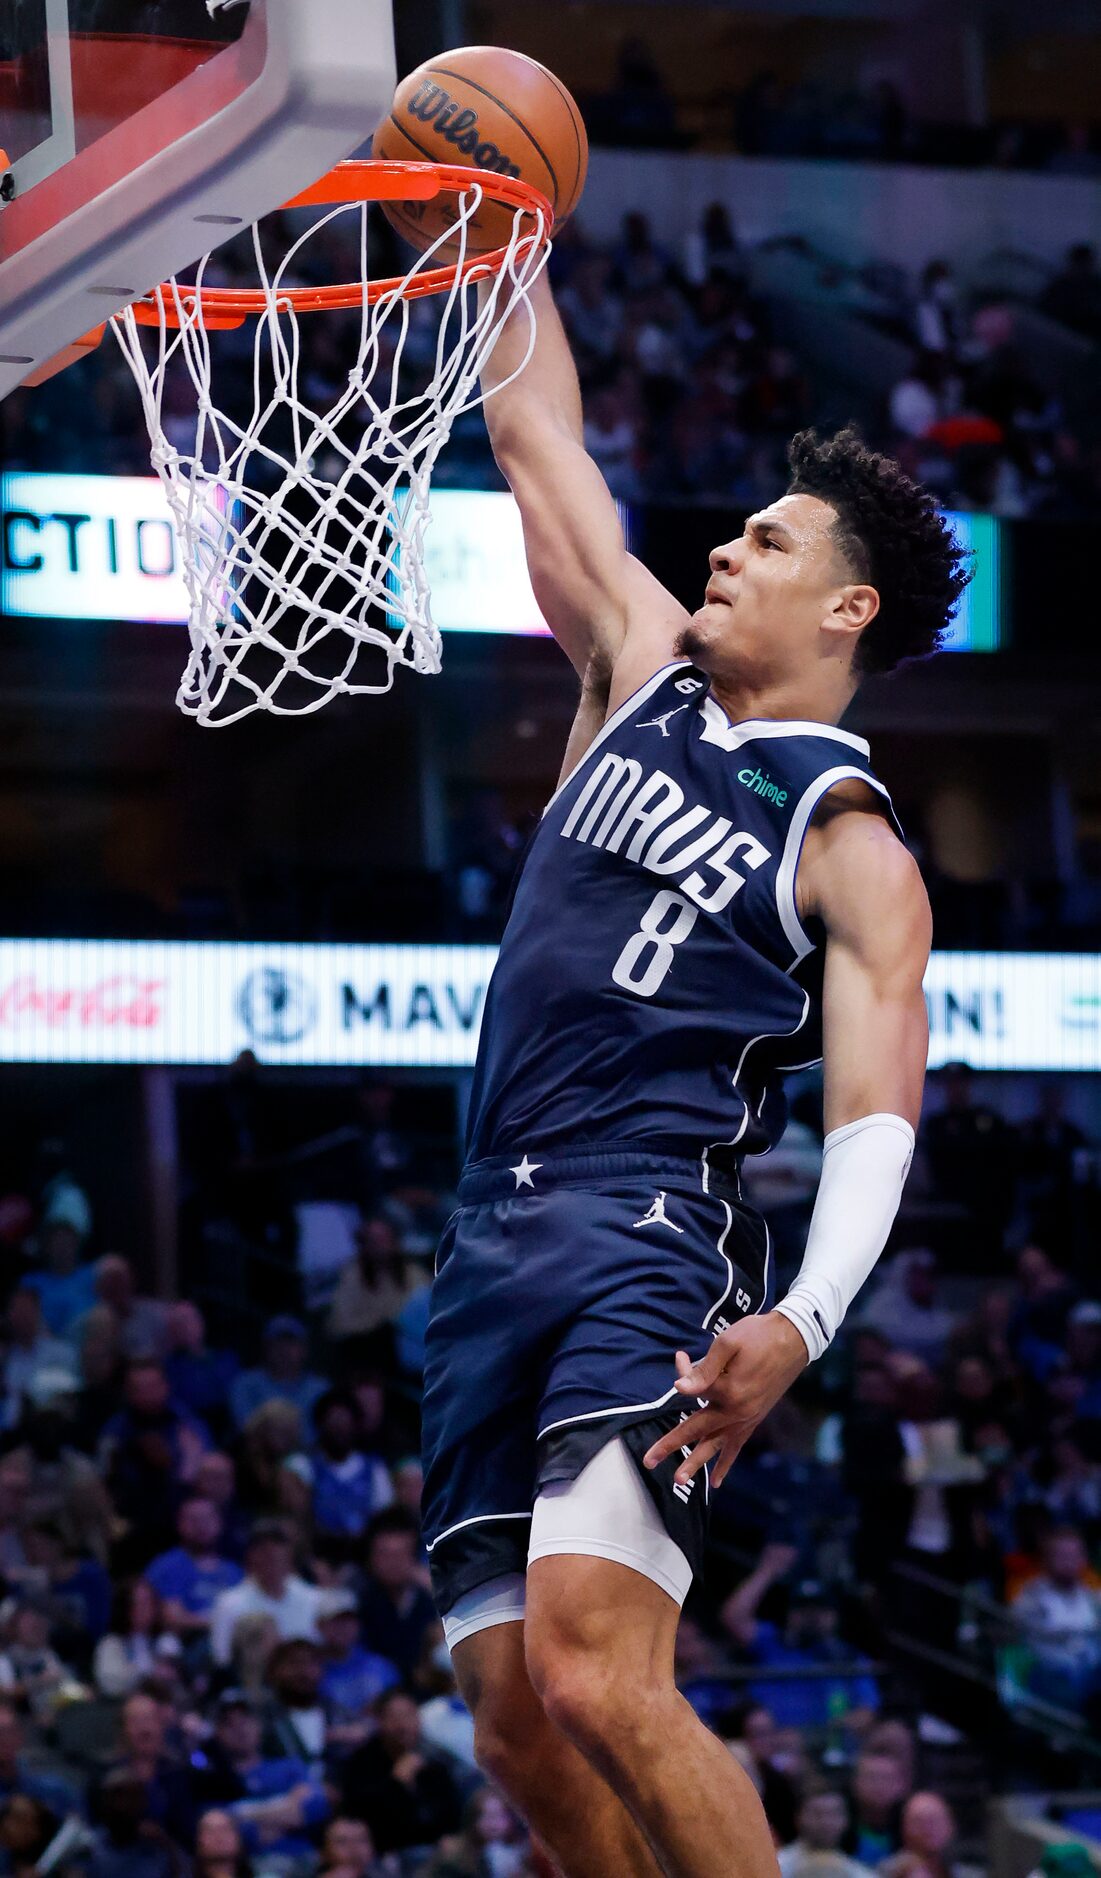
{"type": "Point", "coordinates": [188, 1578]}
{"type": "Point", "coordinates": [352, 1678]}
{"type": "Point", "coordinates": [1083, 1356]}
{"type": "Point", "coordinates": [31, 1354]}
{"type": "Point", "coordinates": [807, 1637]}
{"type": "Point", "coordinates": [199, 1377]}
{"type": "Point", "coordinates": [410, 1330]}
{"type": "Point", "coordinates": [276, 1803]}
{"type": "Point", "coordinates": [65, 1288]}
{"type": "Point", "coordinates": [347, 1487]}
{"type": "Point", "coordinates": [283, 1375]}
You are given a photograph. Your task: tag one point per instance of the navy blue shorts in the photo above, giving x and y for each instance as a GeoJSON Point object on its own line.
{"type": "Point", "coordinates": [565, 1284]}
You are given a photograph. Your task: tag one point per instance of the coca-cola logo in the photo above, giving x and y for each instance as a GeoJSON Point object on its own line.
{"type": "Point", "coordinates": [130, 1002]}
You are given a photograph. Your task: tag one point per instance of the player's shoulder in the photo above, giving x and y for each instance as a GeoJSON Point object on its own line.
{"type": "Point", "coordinates": [852, 831]}
{"type": "Point", "coordinates": [845, 803]}
{"type": "Point", "coordinates": [854, 860]}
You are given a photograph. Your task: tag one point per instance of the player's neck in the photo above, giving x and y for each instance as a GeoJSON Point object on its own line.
{"type": "Point", "coordinates": [821, 697]}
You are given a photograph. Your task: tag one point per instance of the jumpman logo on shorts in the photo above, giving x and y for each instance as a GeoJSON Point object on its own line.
{"type": "Point", "coordinates": [657, 1216]}
{"type": "Point", "coordinates": [659, 723]}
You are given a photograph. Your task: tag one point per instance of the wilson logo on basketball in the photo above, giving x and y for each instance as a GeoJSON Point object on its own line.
{"type": "Point", "coordinates": [431, 104]}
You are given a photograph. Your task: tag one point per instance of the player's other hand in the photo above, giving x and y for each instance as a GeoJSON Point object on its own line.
{"type": "Point", "coordinates": [743, 1375]}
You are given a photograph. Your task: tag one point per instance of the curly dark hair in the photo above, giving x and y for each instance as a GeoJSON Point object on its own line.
{"type": "Point", "coordinates": [892, 536]}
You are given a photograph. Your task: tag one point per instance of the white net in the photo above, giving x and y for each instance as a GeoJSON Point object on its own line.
{"type": "Point", "coordinates": [302, 514]}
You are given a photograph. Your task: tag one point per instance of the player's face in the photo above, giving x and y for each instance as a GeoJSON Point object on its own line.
{"type": "Point", "coordinates": [773, 592]}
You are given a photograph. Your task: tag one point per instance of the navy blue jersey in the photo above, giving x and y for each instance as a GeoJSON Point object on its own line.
{"type": "Point", "coordinates": [654, 979]}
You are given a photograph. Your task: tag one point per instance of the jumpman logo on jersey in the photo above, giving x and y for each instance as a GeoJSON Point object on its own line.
{"type": "Point", "coordinates": [659, 723]}
{"type": "Point", "coordinates": [657, 1216]}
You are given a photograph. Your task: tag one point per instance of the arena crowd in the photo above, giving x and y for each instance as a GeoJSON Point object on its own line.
{"type": "Point", "coordinates": [218, 1650]}
{"type": "Point", "coordinates": [691, 391]}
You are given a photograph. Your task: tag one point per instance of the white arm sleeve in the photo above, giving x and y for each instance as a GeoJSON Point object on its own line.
{"type": "Point", "coordinates": [864, 1169]}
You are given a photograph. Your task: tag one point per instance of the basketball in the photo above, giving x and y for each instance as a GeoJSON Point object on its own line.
{"type": "Point", "coordinates": [487, 109]}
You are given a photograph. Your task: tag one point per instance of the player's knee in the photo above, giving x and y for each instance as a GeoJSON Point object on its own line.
{"type": "Point", "coordinates": [497, 1752]}
{"type": "Point", "coordinates": [506, 1734]}
{"type": "Point", "coordinates": [584, 1692]}
{"type": "Point", "coordinates": [599, 1714]}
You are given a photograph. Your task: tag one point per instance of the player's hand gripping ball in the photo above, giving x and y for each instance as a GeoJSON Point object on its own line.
{"type": "Point", "coordinates": [486, 109]}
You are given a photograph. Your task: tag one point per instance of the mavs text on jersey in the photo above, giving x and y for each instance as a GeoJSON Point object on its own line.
{"type": "Point", "coordinates": [654, 982]}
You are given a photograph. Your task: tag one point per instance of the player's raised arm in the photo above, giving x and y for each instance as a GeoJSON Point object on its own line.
{"type": "Point", "coordinates": [606, 611]}
{"type": "Point", "coordinates": [859, 880]}
{"type": "Point", "coordinates": [868, 892]}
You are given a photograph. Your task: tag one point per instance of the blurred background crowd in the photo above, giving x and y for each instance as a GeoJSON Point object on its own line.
{"type": "Point", "coordinates": [984, 379]}
{"type": "Point", "coordinates": [217, 1645]}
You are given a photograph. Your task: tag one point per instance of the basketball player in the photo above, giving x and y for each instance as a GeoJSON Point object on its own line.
{"type": "Point", "coordinates": [717, 893]}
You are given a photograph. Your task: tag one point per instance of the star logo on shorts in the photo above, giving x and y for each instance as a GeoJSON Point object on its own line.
{"type": "Point", "coordinates": [524, 1173]}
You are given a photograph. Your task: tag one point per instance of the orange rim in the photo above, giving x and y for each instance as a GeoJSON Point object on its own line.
{"type": "Point", "coordinates": [224, 308]}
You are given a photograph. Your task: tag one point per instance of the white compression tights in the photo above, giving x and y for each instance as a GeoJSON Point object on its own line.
{"type": "Point", "coordinates": [605, 1513]}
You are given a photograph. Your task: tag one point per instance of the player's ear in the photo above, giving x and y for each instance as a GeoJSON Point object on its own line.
{"type": "Point", "coordinates": [852, 608]}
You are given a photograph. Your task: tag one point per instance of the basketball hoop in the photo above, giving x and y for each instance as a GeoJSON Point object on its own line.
{"type": "Point", "coordinates": [303, 528]}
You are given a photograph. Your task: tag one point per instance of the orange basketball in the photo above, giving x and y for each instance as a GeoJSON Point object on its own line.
{"type": "Point", "coordinates": [486, 109]}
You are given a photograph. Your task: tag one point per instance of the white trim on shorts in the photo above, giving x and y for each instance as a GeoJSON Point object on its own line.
{"type": "Point", "coordinates": [594, 1415]}
{"type": "Point", "coordinates": [476, 1519]}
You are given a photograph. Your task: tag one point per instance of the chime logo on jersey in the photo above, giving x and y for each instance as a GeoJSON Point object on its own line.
{"type": "Point", "coordinates": [642, 816]}
{"type": "Point", "coordinates": [762, 785]}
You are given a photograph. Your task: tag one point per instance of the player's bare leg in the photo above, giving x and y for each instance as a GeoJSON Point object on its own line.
{"type": "Point", "coordinates": [566, 1803]}
{"type": "Point", "coordinates": [599, 1640]}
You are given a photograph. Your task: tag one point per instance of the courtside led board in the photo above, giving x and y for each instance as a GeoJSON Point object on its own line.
{"type": "Point", "coordinates": [420, 1006]}
{"type": "Point", "coordinates": [103, 548]}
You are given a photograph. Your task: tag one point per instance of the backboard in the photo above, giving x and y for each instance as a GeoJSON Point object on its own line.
{"type": "Point", "coordinates": [141, 133]}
